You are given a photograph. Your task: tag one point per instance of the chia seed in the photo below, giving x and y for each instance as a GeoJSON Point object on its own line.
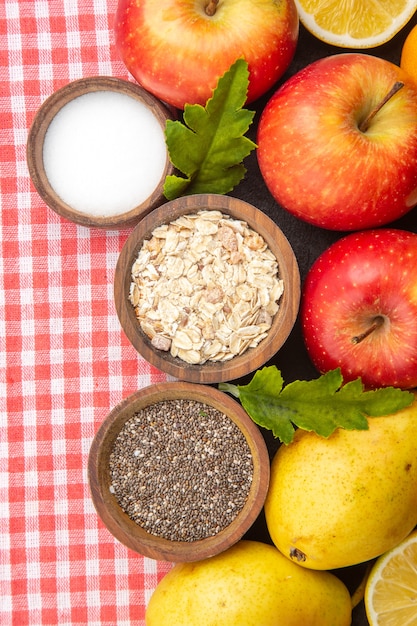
{"type": "Point", "coordinates": [181, 469]}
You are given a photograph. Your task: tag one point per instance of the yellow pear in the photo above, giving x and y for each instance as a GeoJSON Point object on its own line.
{"type": "Point", "coordinates": [344, 500]}
{"type": "Point", "coordinates": [250, 584]}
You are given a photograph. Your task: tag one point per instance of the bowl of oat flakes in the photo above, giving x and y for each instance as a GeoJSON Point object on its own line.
{"type": "Point", "coordinates": [178, 471]}
{"type": "Point", "coordinates": [207, 288]}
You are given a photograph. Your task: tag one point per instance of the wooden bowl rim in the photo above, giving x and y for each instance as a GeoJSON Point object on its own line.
{"type": "Point", "coordinates": [131, 534]}
{"type": "Point", "coordinates": [283, 322]}
{"type": "Point", "coordinates": [34, 149]}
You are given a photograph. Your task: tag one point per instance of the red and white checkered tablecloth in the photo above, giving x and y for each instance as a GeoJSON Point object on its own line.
{"type": "Point", "coordinates": [64, 361]}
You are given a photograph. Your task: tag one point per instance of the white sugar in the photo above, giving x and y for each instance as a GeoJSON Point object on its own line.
{"type": "Point", "coordinates": [104, 153]}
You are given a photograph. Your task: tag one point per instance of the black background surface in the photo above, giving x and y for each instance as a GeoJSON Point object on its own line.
{"type": "Point", "coordinates": [308, 243]}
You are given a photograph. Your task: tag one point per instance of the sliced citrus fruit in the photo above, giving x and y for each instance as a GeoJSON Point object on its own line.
{"type": "Point", "coordinates": [355, 23]}
{"type": "Point", "coordinates": [409, 54]}
{"type": "Point", "coordinates": [391, 589]}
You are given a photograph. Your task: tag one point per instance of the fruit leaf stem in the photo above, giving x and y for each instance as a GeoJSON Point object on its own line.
{"type": "Point", "coordinates": [211, 7]}
{"type": "Point", "coordinates": [377, 322]}
{"type": "Point", "coordinates": [364, 125]}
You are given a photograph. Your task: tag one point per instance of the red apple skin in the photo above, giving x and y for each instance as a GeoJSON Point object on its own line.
{"type": "Point", "coordinates": [178, 53]}
{"type": "Point", "coordinates": [318, 164]}
{"type": "Point", "coordinates": [361, 276]}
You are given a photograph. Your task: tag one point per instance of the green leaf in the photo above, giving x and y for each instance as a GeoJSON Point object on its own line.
{"type": "Point", "coordinates": [209, 146]}
{"type": "Point", "coordinates": [321, 405]}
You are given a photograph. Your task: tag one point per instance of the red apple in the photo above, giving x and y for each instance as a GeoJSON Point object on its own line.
{"type": "Point", "coordinates": [337, 148]}
{"type": "Point", "coordinates": [359, 308]}
{"type": "Point", "coordinates": [178, 49]}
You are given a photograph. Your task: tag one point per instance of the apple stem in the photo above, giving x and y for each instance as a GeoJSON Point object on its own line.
{"type": "Point", "coordinates": [364, 125]}
{"type": "Point", "coordinates": [211, 7]}
{"type": "Point", "coordinates": [376, 323]}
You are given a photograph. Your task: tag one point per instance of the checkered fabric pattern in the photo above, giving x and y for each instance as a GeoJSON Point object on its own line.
{"type": "Point", "coordinates": [64, 361]}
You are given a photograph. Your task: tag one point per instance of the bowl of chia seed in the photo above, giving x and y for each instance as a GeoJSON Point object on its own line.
{"type": "Point", "coordinates": [178, 471]}
{"type": "Point", "coordinates": [207, 288]}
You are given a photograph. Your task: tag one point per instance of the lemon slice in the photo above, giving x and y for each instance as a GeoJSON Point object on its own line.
{"type": "Point", "coordinates": [355, 23]}
{"type": "Point", "coordinates": [391, 589]}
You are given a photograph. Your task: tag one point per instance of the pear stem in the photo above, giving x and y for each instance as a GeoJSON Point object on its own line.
{"type": "Point", "coordinates": [364, 125]}
{"type": "Point", "coordinates": [377, 322]}
{"type": "Point", "coordinates": [211, 7]}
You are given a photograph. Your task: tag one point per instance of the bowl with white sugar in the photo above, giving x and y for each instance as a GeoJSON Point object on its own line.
{"type": "Point", "coordinates": [96, 152]}
{"type": "Point", "coordinates": [178, 471]}
{"type": "Point", "coordinates": [207, 288]}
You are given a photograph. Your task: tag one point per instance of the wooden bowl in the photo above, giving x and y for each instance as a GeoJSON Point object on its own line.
{"type": "Point", "coordinates": [283, 321]}
{"type": "Point", "coordinates": [129, 532]}
{"type": "Point", "coordinates": [36, 142]}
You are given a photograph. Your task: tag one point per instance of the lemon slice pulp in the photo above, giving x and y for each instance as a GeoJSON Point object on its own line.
{"type": "Point", "coordinates": [391, 589]}
{"type": "Point", "coordinates": [355, 23]}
